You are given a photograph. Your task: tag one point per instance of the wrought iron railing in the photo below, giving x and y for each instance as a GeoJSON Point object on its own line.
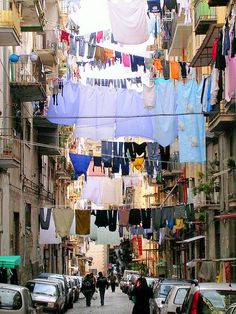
{"type": "Point", "coordinates": [10, 146]}
{"type": "Point", "coordinates": [25, 71]}
{"type": "Point", "coordinates": [202, 11]}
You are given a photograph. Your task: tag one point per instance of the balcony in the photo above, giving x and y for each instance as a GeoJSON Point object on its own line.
{"type": "Point", "coordinates": [9, 150]}
{"type": "Point", "coordinates": [9, 25]}
{"type": "Point", "coordinates": [203, 56]}
{"type": "Point", "coordinates": [32, 13]}
{"type": "Point", "coordinates": [48, 55]}
{"type": "Point", "coordinates": [27, 81]}
{"type": "Point", "coordinates": [223, 117]}
{"type": "Point", "coordinates": [204, 16]}
{"type": "Point", "coordinates": [180, 35]}
{"type": "Point", "coordinates": [48, 135]}
{"type": "Point", "coordinates": [174, 167]}
{"type": "Point", "coordinates": [217, 3]}
{"type": "Point", "coordinates": [62, 168]}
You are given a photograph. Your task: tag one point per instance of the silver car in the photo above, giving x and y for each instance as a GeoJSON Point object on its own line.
{"type": "Point", "coordinates": [161, 290]}
{"type": "Point", "coordinates": [47, 294]}
{"type": "Point", "coordinates": [16, 300]}
{"type": "Point", "coordinates": [175, 298]}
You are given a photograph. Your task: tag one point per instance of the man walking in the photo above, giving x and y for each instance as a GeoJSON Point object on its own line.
{"type": "Point", "coordinates": [112, 279]}
{"type": "Point", "coordinates": [102, 284]}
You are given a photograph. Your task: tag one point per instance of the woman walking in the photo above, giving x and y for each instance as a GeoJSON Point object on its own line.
{"type": "Point", "coordinates": [141, 293]}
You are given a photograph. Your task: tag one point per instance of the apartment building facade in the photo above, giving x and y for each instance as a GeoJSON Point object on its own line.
{"type": "Point", "coordinates": [33, 167]}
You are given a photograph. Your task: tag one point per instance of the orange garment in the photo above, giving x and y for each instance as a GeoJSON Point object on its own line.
{"type": "Point", "coordinates": [100, 54]}
{"type": "Point", "coordinates": [174, 70]}
{"type": "Point", "coordinates": [109, 54]}
{"type": "Point", "coordinates": [138, 164]}
{"type": "Point", "coordinates": [157, 64]}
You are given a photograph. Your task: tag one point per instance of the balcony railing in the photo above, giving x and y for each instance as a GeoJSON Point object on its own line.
{"type": "Point", "coordinates": [33, 15]}
{"type": "Point", "coordinates": [26, 71]}
{"type": "Point", "coordinates": [223, 116]}
{"type": "Point", "coordinates": [9, 19]}
{"type": "Point", "coordinates": [48, 53]}
{"type": "Point", "coordinates": [10, 149]}
{"type": "Point", "coordinates": [204, 16]}
{"type": "Point", "coordinates": [27, 80]}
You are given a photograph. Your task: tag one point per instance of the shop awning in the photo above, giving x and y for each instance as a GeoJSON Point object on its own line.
{"type": "Point", "coordinates": [9, 261]}
{"type": "Point", "coordinates": [191, 240]}
{"type": "Point", "coordinates": [203, 57]}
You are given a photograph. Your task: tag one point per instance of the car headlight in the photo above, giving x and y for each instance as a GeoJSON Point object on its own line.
{"type": "Point", "coordinates": [51, 304]}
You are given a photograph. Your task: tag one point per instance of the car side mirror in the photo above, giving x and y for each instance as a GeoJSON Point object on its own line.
{"type": "Point", "coordinates": [178, 310]}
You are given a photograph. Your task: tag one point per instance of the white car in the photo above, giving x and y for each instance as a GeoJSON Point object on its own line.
{"type": "Point", "coordinates": [175, 298]}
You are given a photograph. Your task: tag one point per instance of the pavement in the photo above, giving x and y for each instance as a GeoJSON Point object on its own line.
{"type": "Point", "coordinates": [115, 303]}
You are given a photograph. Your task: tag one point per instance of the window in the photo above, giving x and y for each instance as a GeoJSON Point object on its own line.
{"type": "Point", "coordinates": [210, 300]}
{"type": "Point", "coordinates": [10, 299]}
{"type": "Point", "coordinates": [28, 131]}
{"type": "Point", "coordinates": [180, 295]}
{"type": "Point", "coordinates": [40, 288]}
{"type": "Point", "coordinates": [28, 216]}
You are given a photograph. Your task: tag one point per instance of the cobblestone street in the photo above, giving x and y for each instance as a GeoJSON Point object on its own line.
{"type": "Point", "coordinates": [115, 303]}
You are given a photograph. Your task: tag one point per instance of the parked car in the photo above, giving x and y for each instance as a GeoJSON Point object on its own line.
{"type": "Point", "coordinates": [62, 278]}
{"type": "Point", "coordinates": [47, 294]}
{"type": "Point", "coordinates": [71, 289]}
{"type": "Point", "coordinates": [231, 309]}
{"type": "Point", "coordinates": [160, 291]}
{"type": "Point", "coordinates": [16, 300]}
{"type": "Point", "coordinates": [175, 298]}
{"type": "Point", "coordinates": [208, 298]}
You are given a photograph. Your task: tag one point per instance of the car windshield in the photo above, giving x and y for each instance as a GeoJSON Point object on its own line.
{"type": "Point", "coordinates": [41, 288]}
{"type": "Point", "coordinates": [10, 299]}
{"type": "Point", "coordinates": [162, 291]}
{"type": "Point", "coordinates": [216, 301]}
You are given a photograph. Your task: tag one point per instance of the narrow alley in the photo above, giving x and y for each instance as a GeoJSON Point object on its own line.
{"type": "Point", "coordinates": [115, 303]}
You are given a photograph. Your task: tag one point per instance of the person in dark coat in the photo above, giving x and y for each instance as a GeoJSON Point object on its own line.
{"type": "Point", "coordinates": [142, 294]}
{"type": "Point", "coordinates": [88, 289]}
{"type": "Point", "coordinates": [112, 279]}
{"type": "Point", "coordinates": [102, 284]}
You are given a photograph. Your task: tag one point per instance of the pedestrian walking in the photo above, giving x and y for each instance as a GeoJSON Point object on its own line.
{"type": "Point", "coordinates": [141, 294]}
{"type": "Point", "coordinates": [93, 279]}
{"type": "Point", "coordinates": [112, 281]}
{"type": "Point", "coordinates": [102, 285]}
{"type": "Point", "coordinates": [88, 289]}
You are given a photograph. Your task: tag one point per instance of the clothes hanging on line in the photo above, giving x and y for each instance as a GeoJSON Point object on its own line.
{"type": "Point", "coordinates": [128, 21]}
{"type": "Point", "coordinates": [45, 219]}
